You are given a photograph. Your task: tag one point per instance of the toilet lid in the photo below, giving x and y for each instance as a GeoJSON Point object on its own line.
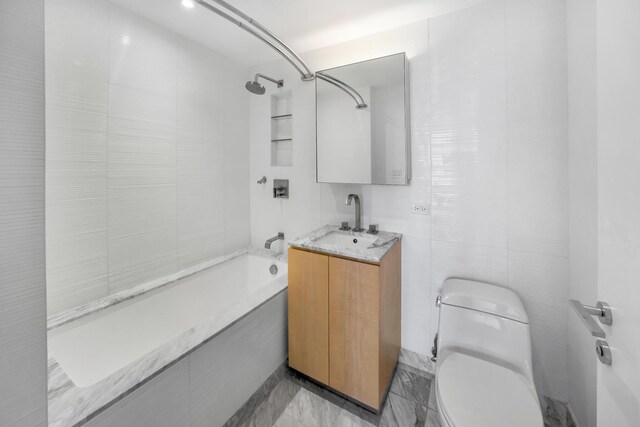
{"type": "Point", "coordinates": [474, 392]}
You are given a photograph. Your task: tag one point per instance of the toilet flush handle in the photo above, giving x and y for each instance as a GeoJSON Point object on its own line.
{"type": "Point", "coordinates": [438, 301]}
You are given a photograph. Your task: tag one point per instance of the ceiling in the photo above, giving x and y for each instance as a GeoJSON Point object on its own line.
{"type": "Point", "coordinates": [302, 24]}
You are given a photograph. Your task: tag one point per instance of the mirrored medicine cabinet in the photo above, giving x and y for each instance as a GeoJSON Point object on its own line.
{"type": "Point", "coordinates": [362, 122]}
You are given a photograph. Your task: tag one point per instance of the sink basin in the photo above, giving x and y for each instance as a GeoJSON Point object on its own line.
{"type": "Point", "coordinates": [362, 247]}
{"type": "Point", "coordinates": [347, 241]}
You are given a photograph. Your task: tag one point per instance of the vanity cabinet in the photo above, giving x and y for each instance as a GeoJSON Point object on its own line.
{"type": "Point", "coordinates": [309, 314]}
{"type": "Point", "coordinates": [344, 322]}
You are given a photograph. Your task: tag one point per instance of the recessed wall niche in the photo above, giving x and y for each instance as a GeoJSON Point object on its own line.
{"type": "Point", "coordinates": [281, 130]}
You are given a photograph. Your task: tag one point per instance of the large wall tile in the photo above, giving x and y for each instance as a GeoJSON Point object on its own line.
{"type": "Point", "coordinates": [141, 54]}
{"type": "Point", "coordinates": [23, 341]}
{"type": "Point", "coordinates": [142, 186]}
{"type": "Point", "coordinates": [499, 163]}
{"type": "Point", "coordinates": [76, 172]}
{"type": "Point", "coordinates": [539, 180]}
{"type": "Point", "coordinates": [469, 150]}
{"type": "Point", "coordinates": [583, 202]}
{"type": "Point", "coordinates": [77, 40]}
{"type": "Point", "coordinates": [162, 402]}
{"type": "Point", "coordinates": [538, 148]}
{"type": "Point", "coordinates": [312, 204]}
{"type": "Point", "coordinates": [147, 154]}
{"type": "Point", "coordinates": [541, 281]}
{"type": "Point", "coordinates": [219, 368]}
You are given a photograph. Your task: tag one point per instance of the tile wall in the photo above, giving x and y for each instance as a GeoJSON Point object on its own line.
{"type": "Point", "coordinates": [583, 207]}
{"type": "Point", "coordinates": [142, 150]}
{"type": "Point", "coordinates": [500, 163]}
{"type": "Point", "coordinates": [147, 152]}
{"type": "Point", "coordinates": [489, 153]}
{"type": "Point", "coordinates": [23, 340]}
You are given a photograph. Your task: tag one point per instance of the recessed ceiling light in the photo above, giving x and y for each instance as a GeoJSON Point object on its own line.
{"type": "Point", "coordinates": [187, 3]}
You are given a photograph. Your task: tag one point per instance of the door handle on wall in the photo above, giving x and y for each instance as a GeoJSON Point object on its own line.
{"type": "Point", "coordinates": [602, 311]}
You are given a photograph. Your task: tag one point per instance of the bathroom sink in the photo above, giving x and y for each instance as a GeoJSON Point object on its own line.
{"type": "Point", "coordinates": [330, 240]}
{"type": "Point", "coordinates": [346, 240]}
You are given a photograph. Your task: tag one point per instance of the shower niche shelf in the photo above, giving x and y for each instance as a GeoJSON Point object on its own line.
{"type": "Point", "coordinates": [281, 130]}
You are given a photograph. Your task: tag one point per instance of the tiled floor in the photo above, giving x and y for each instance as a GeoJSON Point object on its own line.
{"type": "Point", "coordinates": [287, 400]}
{"type": "Point", "coordinates": [298, 402]}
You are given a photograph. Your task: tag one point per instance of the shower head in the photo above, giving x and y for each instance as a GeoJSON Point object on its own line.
{"type": "Point", "coordinates": [257, 88]}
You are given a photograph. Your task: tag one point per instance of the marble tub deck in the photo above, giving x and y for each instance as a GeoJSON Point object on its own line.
{"type": "Point", "coordinates": [70, 405]}
{"type": "Point", "coordinates": [288, 400]}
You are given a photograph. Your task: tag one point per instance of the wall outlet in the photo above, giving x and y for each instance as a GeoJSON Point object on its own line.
{"type": "Point", "coordinates": [420, 208]}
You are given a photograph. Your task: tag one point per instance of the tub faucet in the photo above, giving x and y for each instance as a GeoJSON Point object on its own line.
{"type": "Point", "coordinates": [268, 243]}
{"type": "Point", "coordinates": [355, 197]}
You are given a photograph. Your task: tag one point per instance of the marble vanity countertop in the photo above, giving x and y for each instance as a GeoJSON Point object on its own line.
{"type": "Point", "coordinates": [373, 253]}
{"type": "Point", "coordinates": [71, 405]}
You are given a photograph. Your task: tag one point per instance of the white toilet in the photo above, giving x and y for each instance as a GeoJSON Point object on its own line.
{"type": "Point", "coordinates": [483, 369]}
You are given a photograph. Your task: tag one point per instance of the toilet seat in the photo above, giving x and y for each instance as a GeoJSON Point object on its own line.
{"type": "Point", "coordinates": [472, 392]}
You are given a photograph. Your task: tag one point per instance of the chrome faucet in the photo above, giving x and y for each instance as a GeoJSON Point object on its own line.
{"type": "Point", "coordinates": [355, 197]}
{"type": "Point", "coordinates": [268, 243]}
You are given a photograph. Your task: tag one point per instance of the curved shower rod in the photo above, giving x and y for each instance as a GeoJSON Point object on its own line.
{"type": "Point", "coordinates": [275, 43]}
{"type": "Point", "coordinates": [278, 45]}
{"type": "Point", "coordinates": [360, 104]}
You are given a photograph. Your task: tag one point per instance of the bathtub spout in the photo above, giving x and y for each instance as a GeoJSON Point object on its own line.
{"type": "Point", "coordinates": [268, 243]}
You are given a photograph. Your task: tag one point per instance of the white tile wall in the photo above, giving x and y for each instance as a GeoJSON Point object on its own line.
{"type": "Point", "coordinates": [23, 352]}
{"type": "Point", "coordinates": [488, 94]}
{"type": "Point", "coordinates": [312, 205]}
{"type": "Point", "coordinates": [583, 202]}
{"type": "Point", "coordinates": [489, 152]}
{"type": "Point", "coordinates": [500, 165]}
{"type": "Point", "coordinates": [147, 152]}
{"type": "Point", "coordinates": [76, 109]}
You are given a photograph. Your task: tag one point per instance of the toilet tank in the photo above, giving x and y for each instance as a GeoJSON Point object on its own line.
{"type": "Point", "coordinates": [486, 321]}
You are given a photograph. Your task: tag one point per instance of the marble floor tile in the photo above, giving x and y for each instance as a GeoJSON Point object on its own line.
{"type": "Point", "coordinates": [250, 407]}
{"type": "Point", "coordinates": [420, 361]}
{"type": "Point", "coordinates": [433, 419]}
{"type": "Point", "coordinates": [348, 419]}
{"type": "Point", "coordinates": [316, 389]}
{"type": "Point", "coordinates": [432, 403]}
{"type": "Point", "coordinates": [557, 414]}
{"type": "Point", "coordinates": [364, 414]}
{"type": "Point", "coordinates": [312, 410]}
{"type": "Point", "coordinates": [411, 385]}
{"type": "Point", "coordinates": [285, 421]}
{"type": "Point", "coordinates": [415, 370]}
{"type": "Point", "coordinates": [296, 401]}
{"type": "Point", "coordinates": [283, 394]}
{"type": "Point", "coordinates": [264, 415]}
{"type": "Point", "coordinates": [401, 412]}
{"type": "Point", "coordinates": [273, 405]}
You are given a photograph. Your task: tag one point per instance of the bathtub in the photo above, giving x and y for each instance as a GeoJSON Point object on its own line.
{"type": "Point", "coordinates": [101, 356]}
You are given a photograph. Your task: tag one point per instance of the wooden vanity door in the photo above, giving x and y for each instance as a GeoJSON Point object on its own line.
{"type": "Point", "coordinates": [354, 329]}
{"type": "Point", "coordinates": [309, 314]}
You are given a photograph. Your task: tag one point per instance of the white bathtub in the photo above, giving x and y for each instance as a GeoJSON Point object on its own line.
{"type": "Point", "coordinates": [91, 349]}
